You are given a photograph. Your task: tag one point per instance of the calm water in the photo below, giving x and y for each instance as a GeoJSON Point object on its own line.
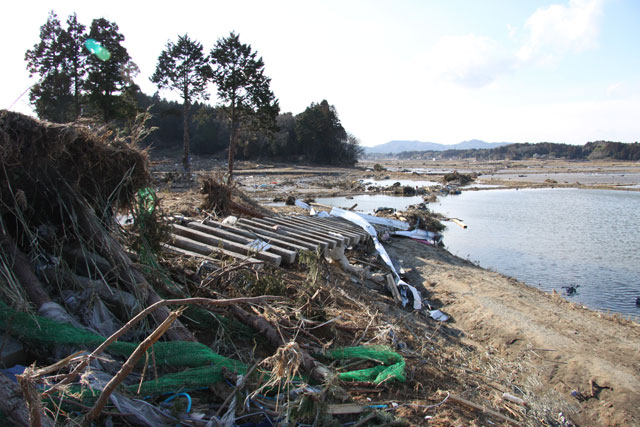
{"type": "Point", "coordinates": [403, 182]}
{"type": "Point", "coordinates": [368, 203]}
{"type": "Point", "coordinates": [552, 238]}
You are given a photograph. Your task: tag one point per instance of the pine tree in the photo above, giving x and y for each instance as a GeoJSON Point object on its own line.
{"type": "Point", "coordinates": [321, 134]}
{"type": "Point", "coordinates": [52, 94]}
{"type": "Point", "coordinates": [110, 81]}
{"type": "Point", "coordinates": [75, 59]}
{"type": "Point", "coordinates": [243, 87]}
{"type": "Point", "coordinates": [184, 68]}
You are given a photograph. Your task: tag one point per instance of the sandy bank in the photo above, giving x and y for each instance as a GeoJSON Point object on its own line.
{"type": "Point", "coordinates": [538, 342]}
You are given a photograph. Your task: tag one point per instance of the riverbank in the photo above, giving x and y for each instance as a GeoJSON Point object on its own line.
{"type": "Point", "coordinates": [521, 336]}
{"type": "Point", "coordinates": [569, 364]}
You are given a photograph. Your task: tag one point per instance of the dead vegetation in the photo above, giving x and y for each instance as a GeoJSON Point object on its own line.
{"type": "Point", "coordinates": [457, 178]}
{"type": "Point", "coordinates": [222, 200]}
{"type": "Point", "coordinates": [118, 332]}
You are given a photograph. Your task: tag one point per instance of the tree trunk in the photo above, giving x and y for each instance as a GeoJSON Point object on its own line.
{"type": "Point", "coordinates": [232, 140]}
{"type": "Point", "coordinates": [187, 149]}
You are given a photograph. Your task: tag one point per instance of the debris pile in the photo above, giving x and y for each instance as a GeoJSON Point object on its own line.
{"type": "Point", "coordinates": [101, 324]}
{"type": "Point", "coordinates": [457, 178]}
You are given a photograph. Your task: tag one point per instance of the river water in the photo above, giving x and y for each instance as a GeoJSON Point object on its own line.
{"type": "Point", "coordinates": [553, 238]}
{"type": "Point", "coordinates": [548, 238]}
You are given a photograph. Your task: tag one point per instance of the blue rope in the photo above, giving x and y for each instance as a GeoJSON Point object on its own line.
{"type": "Point", "coordinates": [170, 398]}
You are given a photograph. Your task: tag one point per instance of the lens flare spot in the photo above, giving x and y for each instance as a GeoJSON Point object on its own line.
{"type": "Point", "coordinates": [97, 49]}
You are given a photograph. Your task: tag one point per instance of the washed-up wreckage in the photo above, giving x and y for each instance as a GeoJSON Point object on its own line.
{"type": "Point", "coordinates": [104, 324]}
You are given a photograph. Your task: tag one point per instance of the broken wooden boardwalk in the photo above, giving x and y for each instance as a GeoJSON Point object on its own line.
{"type": "Point", "coordinates": [274, 240]}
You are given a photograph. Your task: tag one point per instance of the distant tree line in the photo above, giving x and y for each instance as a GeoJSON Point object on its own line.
{"type": "Point", "coordinates": [314, 136]}
{"type": "Point", "coordinates": [90, 74]}
{"type": "Point", "coordinates": [597, 150]}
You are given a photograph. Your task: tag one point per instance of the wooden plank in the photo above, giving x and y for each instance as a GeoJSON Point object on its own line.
{"type": "Point", "coordinates": [324, 228]}
{"type": "Point", "coordinates": [189, 245]}
{"type": "Point", "coordinates": [265, 231]}
{"type": "Point", "coordinates": [391, 285]}
{"type": "Point", "coordinates": [287, 255]}
{"type": "Point", "coordinates": [264, 236]}
{"type": "Point", "coordinates": [342, 223]}
{"type": "Point", "coordinates": [286, 232]}
{"type": "Point", "coordinates": [354, 238]}
{"type": "Point", "coordinates": [340, 240]}
{"type": "Point", "coordinates": [226, 244]}
{"type": "Point", "coordinates": [301, 231]}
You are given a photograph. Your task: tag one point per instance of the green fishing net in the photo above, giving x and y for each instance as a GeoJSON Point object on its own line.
{"type": "Point", "coordinates": [391, 363]}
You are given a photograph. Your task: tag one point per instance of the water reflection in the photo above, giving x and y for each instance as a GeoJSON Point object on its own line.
{"type": "Point", "coordinates": [369, 203]}
{"type": "Point", "coordinates": [552, 238]}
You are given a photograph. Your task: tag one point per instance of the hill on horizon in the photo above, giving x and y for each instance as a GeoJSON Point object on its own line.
{"type": "Point", "coordinates": [399, 146]}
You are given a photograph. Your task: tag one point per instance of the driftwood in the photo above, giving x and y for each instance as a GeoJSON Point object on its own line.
{"type": "Point", "coordinates": [482, 409]}
{"type": "Point", "coordinates": [128, 366]}
{"type": "Point", "coordinates": [89, 264]}
{"type": "Point", "coordinates": [37, 418]}
{"type": "Point", "coordinates": [244, 210]}
{"type": "Point", "coordinates": [315, 369]}
{"type": "Point", "coordinates": [12, 404]}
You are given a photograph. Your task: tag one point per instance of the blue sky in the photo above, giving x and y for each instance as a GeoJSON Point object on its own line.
{"type": "Point", "coordinates": [441, 71]}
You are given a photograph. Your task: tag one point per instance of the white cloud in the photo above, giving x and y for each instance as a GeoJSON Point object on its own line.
{"type": "Point", "coordinates": [470, 61]}
{"type": "Point", "coordinates": [558, 29]}
{"type": "Point", "coordinates": [474, 61]}
{"type": "Point", "coordinates": [616, 90]}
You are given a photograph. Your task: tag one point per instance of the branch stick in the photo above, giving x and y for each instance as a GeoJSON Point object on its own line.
{"type": "Point", "coordinates": [128, 366]}
{"type": "Point", "coordinates": [183, 301]}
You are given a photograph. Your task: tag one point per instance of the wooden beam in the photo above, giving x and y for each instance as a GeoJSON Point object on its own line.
{"type": "Point", "coordinates": [286, 231]}
{"type": "Point", "coordinates": [287, 255]}
{"type": "Point", "coordinates": [226, 244]}
{"type": "Point", "coordinates": [189, 246]}
{"type": "Point", "coordinates": [332, 242]}
{"type": "Point", "coordinates": [262, 231]}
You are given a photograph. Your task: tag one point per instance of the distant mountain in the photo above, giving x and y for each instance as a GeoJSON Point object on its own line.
{"type": "Point", "coordinates": [400, 146]}
{"type": "Point", "coordinates": [476, 144]}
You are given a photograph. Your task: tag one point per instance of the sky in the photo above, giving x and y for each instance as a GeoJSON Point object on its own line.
{"type": "Point", "coordinates": [442, 71]}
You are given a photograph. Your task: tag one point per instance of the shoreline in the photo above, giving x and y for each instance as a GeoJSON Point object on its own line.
{"type": "Point", "coordinates": [566, 361]}
{"type": "Point", "coordinates": [550, 347]}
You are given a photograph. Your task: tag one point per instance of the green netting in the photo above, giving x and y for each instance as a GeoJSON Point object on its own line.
{"type": "Point", "coordinates": [206, 319]}
{"type": "Point", "coordinates": [188, 379]}
{"type": "Point", "coordinates": [38, 330]}
{"type": "Point", "coordinates": [146, 201]}
{"type": "Point", "coordinates": [392, 364]}
{"type": "Point", "coordinates": [207, 365]}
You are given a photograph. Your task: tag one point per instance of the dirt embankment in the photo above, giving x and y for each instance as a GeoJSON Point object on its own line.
{"type": "Point", "coordinates": [560, 354]}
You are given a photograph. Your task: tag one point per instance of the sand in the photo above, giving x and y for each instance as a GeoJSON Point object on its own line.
{"type": "Point", "coordinates": [553, 347]}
